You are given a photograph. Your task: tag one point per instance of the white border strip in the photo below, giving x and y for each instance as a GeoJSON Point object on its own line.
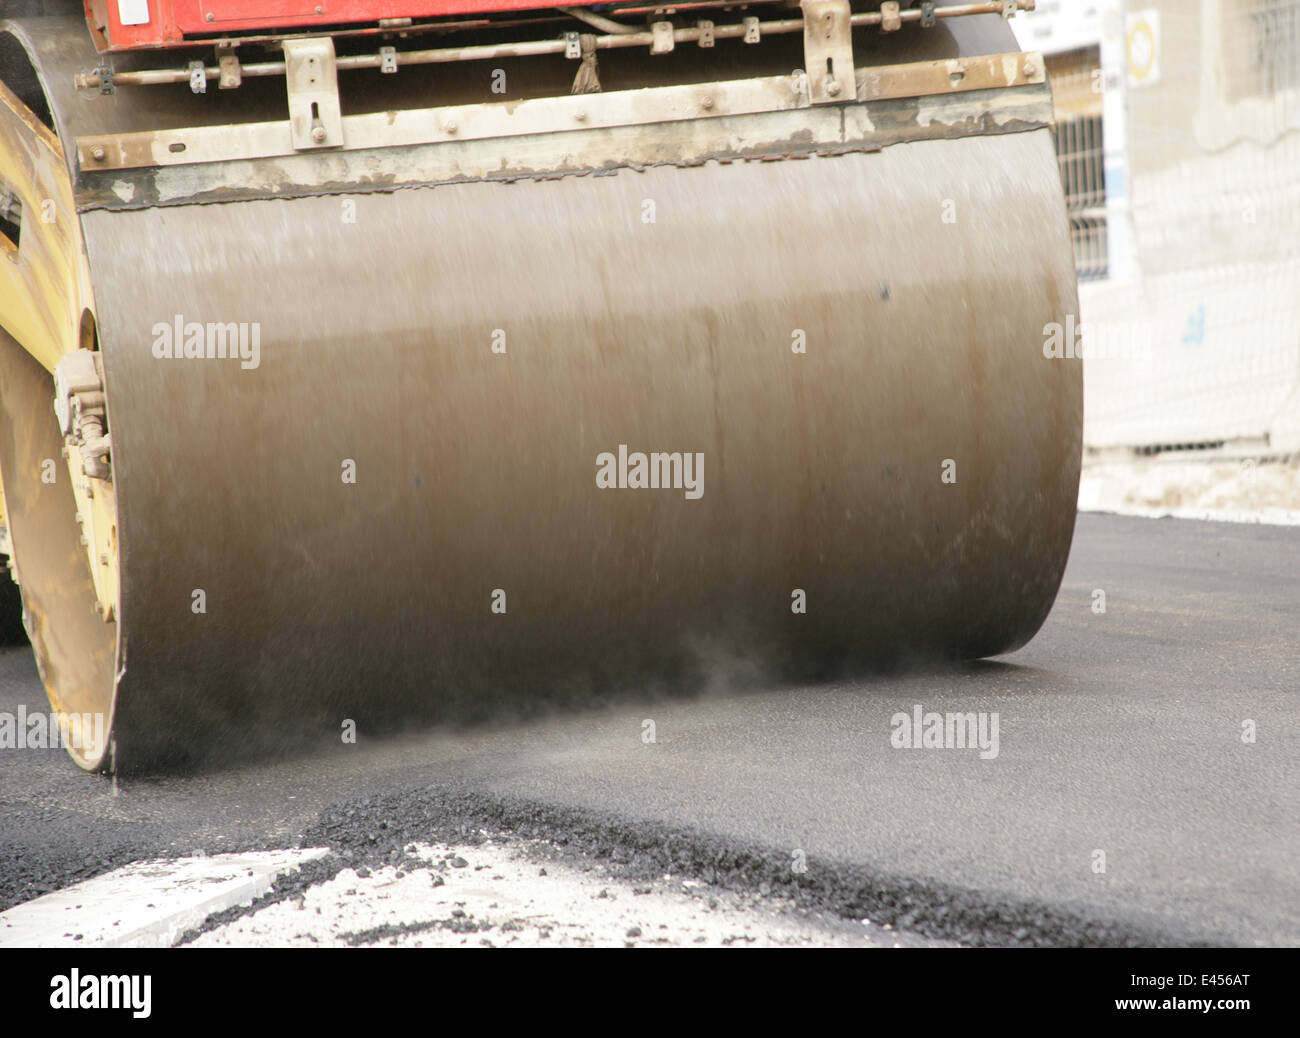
{"type": "Point", "coordinates": [146, 905]}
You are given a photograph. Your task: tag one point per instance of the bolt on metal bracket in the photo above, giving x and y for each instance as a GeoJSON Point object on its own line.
{"type": "Point", "coordinates": [928, 19]}
{"type": "Point", "coordinates": [229, 74]}
{"type": "Point", "coordinates": [828, 51]}
{"type": "Point", "coordinates": [388, 60]}
{"type": "Point", "coordinates": [315, 120]}
{"type": "Point", "coordinates": [662, 41]}
{"type": "Point", "coordinates": [82, 412]}
{"type": "Point", "coordinates": [751, 30]}
{"type": "Point", "coordinates": [706, 32]}
{"type": "Point", "coordinates": [198, 77]}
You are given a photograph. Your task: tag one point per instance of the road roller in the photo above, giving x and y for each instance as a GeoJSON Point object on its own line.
{"type": "Point", "coordinates": [376, 362]}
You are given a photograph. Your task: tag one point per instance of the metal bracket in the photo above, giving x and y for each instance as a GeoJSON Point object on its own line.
{"type": "Point", "coordinates": [751, 29]}
{"type": "Point", "coordinates": [81, 410]}
{"type": "Point", "coordinates": [315, 120]}
{"type": "Point", "coordinates": [198, 77]}
{"type": "Point", "coordinates": [890, 20]}
{"type": "Point", "coordinates": [105, 74]}
{"type": "Point", "coordinates": [828, 50]}
{"type": "Point", "coordinates": [572, 46]}
{"type": "Point", "coordinates": [661, 37]}
{"type": "Point", "coordinates": [1009, 8]}
{"type": "Point", "coordinates": [229, 75]}
{"type": "Point", "coordinates": [706, 32]}
{"type": "Point", "coordinates": [388, 60]}
{"type": "Point", "coordinates": [928, 19]}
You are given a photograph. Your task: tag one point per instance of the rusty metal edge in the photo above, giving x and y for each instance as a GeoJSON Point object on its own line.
{"type": "Point", "coordinates": [859, 127]}
{"type": "Point", "coordinates": [274, 139]}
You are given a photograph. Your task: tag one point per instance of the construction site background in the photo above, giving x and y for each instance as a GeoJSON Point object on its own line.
{"type": "Point", "coordinates": [1179, 143]}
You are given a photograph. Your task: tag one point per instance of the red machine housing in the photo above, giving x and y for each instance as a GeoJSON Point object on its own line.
{"type": "Point", "coordinates": [138, 24]}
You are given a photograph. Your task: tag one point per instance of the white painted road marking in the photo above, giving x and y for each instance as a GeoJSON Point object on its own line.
{"type": "Point", "coordinates": [148, 904]}
{"type": "Point", "coordinates": [498, 894]}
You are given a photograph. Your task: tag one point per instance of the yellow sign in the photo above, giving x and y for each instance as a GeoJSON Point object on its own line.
{"type": "Point", "coordinates": [1142, 36]}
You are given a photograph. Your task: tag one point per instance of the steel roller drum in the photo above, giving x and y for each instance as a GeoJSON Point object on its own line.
{"type": "Point", "coordinates": [476, 470]}
{"type": "Point", "coordinates": [395, 515]}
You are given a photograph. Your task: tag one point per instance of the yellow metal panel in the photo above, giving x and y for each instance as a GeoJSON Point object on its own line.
{"type": "Point", "coordinates": [43, 280]}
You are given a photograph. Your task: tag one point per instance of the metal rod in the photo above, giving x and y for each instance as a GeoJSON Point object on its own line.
{"type": "Point", "coordinates": [599, 21]}
{"type": "Point", "coordinates": [488, 52]}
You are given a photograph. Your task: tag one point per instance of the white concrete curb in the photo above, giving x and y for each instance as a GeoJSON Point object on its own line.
{"type": "Point", "coordinates": [148, 904]}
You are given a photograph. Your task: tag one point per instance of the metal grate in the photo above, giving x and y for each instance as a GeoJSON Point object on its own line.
{"type": "Point", "coordinates": [1262, 49]}
{"type": "Point", "coordinates": [1076, 82]}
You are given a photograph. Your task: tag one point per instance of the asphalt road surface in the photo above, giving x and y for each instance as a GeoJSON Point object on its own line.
{"type": "Point", "coordinates": [1126, 803]}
